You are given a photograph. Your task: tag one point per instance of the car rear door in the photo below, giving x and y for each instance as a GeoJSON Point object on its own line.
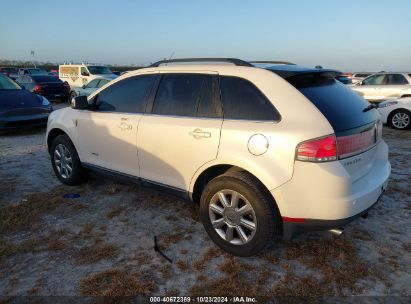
{"type": "Point", "coordinates": [181, 130]}
{"type": "Point", "coordinates": [396, 85]}
{"type": "Point", "coordinates": [108, 133]}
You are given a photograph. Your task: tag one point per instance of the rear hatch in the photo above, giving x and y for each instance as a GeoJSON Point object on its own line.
{"type": "Point", "coordinates": [356, 125]}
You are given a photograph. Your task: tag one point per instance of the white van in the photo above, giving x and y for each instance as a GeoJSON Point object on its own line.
{"type": "Point", "coordinates": [78, 75]}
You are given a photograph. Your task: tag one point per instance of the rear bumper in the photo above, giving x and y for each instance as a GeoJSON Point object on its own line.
{"type": "Point", "coordinates": [55, 95]}
{"type": "Point", "coordinates": [291, 229]}
{"type": "Point", "coordinates": [328, 195]}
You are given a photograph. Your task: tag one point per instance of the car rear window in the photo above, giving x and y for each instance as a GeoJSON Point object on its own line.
{"type": "Point", "coordinates": [343, 108]}
{"type": "Point", "coordinates": [46, 79]}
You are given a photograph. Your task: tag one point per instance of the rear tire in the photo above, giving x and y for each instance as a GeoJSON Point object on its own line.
{"type": "Point", "coordinates": [66, 163]}
{"type": "Point", "coordinates": [239, 214]}
{"type": "Point", "coordinates": [72, 95]}
{"type": "Point", "coordinates": [400, 119]}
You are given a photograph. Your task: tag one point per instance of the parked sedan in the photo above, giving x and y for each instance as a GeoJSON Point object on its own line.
{"type": "Point", "coordinates": [86, 90]}
{"type": "Point", "coordinates": [21, 108]}
{"type": "Point", "coordinates": [48, 86]}
{"type": "Point", "coordinates": [8, 71]}
{"type": "Point", "coordinates": [383, 86]}
{"type": "Point", "coordinates": [396, 113]}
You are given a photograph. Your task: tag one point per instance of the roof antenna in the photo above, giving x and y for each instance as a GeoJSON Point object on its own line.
{"type": "Point", "coordinates": [171, 56]}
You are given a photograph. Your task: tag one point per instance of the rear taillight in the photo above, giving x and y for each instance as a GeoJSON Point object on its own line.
{"type": "Point", "coordinates": [38, 88]}
{"type": "Point", "coordinates": [318, 150]}
{"type": "Point", "coordinates": [331, 148]}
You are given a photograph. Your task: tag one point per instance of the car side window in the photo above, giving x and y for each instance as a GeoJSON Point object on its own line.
{"type": "Point", "coordinates": [396, 79]}
{"type": "Point", "coordinates": [127, 95]}
{"type": "Point", "coordinates": [179, 94]}
{"type": "Point", "coordinates": [84, 72]}
{"type": "Point", "coordinates": [379, 79]}
{"type": "Point", "coordinates": [243, 100]}
{"type": "Point", "coordinates": [206, 106]}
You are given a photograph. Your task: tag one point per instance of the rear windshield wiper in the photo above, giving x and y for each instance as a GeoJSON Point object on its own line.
{"type": "Point", "coordinates": [370, 107]}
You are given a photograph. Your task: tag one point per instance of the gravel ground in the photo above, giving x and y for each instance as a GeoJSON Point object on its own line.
{"type": "Point", "coordinates": [101, 244]}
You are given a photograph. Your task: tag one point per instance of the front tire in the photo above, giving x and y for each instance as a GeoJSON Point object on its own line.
{"type": "Point", "coordinates": [65, 161]}
{"type": "Point", "coordinates": [400, 119]}
{"type": "Point", "coordinates": [239, 214]}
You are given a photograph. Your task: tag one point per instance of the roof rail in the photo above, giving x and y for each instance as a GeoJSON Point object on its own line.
{"type": "Point", "coordinates": [234, 61]}
{"type": "Point", "coordinates": [273, 62]}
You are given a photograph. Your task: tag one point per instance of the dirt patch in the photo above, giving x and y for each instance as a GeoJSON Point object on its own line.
{"type": "Point", "coordinates": [116, 283]}
{"type": "Point", "coordinates": [26, 213]}
{"type": "Point", "coordinates": [97, 252]}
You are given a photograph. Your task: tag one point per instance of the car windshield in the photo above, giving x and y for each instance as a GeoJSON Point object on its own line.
{"type": "Point", "coordinates": [37, 72]}
{"type": "Point", "coordinates": [8, 84]}
{"type": "Point", "coordinates": [96, 69]}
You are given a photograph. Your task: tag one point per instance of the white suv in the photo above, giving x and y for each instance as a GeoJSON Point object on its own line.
{"type": "Point", "coordinates": [383, 86]}
{"type": "Point", "coordinates": [266, 152]}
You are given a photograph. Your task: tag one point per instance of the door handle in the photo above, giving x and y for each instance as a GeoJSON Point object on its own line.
{"type": "Point", "coordinates": [125, 126]}
{"type": "Point", "coordinates": [198, 134]}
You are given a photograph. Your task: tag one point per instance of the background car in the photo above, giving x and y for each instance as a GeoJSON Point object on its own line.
{"type": "Point", "coordinates": [54, 73]}
{"type": "Point", "coordinates": [8, 71]}
{"type": "Point", "coordinates": [21, 108]}
{"type": "Point", "coordinates": [48, 86]}
{"type": "Point", "coordinates": [31, 71]}
{"type": "Point", "coordinates": [89, 88]}
{"type": "Point", "coordinates": [396, 113]}
{"type": "Point", "coordinates": [344, 79]}
{"type": "Point", "coordinates": [383, 86]}
{"type": "Point", "coordinates": [357, 77]}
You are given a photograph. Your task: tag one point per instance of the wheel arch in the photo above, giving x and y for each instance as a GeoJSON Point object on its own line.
{"type": "Point", "coordinates": [215, 170]}
{"type": "Point", "coordinates": [52, 134]}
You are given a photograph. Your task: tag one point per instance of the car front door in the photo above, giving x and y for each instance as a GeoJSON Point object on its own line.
{"type": "Point", "coordinates": [181, 130]}
{"type": "Point", "coordinates": [396, 85]}
{"type": "Point", "coordinates": [108, 132]}
{"type": "Point", "coordinates": [370, 87]}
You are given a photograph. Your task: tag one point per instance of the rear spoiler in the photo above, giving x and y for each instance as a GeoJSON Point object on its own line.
{"type": "Point", "coordinates": [323, 73]}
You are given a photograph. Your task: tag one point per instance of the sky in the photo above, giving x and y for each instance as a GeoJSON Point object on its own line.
{"type": "Point", "coordinates": [350, 35]}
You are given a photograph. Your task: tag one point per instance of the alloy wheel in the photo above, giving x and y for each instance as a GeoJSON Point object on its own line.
{"type": "Point", "coordinates": [232, 217]}
{"type": "Point", "coordinates": [63, 161]}
{"type": "Point", "coordinates": [400, 120]}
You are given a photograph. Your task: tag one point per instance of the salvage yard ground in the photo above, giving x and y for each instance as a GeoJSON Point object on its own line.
{"type": "Point", "coordinates": [101, 244]}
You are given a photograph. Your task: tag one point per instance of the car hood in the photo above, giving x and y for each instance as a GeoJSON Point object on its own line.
{"type": "Point", "coordinates": [17, 99]}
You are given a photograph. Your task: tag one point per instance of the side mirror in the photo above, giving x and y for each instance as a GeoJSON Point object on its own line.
{"type": "Point", "coordinates": [80, 103]}
{"type": "Point", "coordinates": [84, 86]}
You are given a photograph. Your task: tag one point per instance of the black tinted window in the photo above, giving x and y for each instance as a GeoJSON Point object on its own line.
{"type": "Point", "coordinates": [127, 95]}
{"type": "Point", "coordinates": [242, 100]}
{"type": "Point", "coordinates": [396, 79]}
{"type": "Point", "coordinates": [340, 105]}
{"type": "Point", "coordinates": [179, 94]}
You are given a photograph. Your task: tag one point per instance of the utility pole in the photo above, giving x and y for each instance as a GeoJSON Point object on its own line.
{"type": "Point", "coordinates": [34, 62]}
